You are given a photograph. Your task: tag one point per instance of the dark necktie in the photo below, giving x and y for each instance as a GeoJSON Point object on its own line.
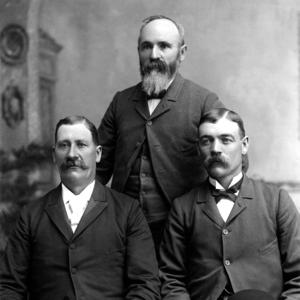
{"type": "Point", "coordinates": [157, 96]}
{"type": "Point", "coordinates": [227, 194]}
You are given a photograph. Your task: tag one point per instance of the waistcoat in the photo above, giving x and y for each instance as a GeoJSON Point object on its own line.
{"type": "Point", "coordinates": [142, 185]}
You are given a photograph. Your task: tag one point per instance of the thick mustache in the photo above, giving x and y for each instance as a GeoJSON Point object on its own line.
{"type": "Point", "coordinates": [156, 65]}
{"type": "Point", "coordinates": [216, 159]}
{"type": "Point", "coordinates": [69, 163]}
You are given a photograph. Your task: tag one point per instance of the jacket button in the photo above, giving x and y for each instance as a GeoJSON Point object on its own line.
{"type": "Point", "coordinates": [149, 123]}
{"type": "Point", "coordinates": [227, 262]}
{"type": "Point", "coordinates": [73, 270]}
{"type": "Point", "coordinates": [225, 231]}
{"type": "Point", "coordinates": [72, 246]}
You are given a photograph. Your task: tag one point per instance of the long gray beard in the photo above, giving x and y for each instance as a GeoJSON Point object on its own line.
{"type": "Point", "coordinates": [155, 82]}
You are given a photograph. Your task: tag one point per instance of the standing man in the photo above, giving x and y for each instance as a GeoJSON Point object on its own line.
{"type": "Point", "coordinates": [149, 132]}
{"type": "Point", "coordinates": [231, 233]}
{"type": "Point", "coordinates": [82, 240]}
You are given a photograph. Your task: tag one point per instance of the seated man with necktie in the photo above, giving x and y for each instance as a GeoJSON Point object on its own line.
{"type": "Point", "coordinates": [231, 237]}
{"type": "Point", "coordinates": [81, 240]}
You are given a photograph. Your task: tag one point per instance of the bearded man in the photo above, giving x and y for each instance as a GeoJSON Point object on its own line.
{"type": "Point", "coordinates": [149, 132]}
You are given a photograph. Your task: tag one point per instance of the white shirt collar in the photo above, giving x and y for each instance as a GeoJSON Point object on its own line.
{"type": "Point", "coordinates": [170, 82]}
{"type": "Point", "coordinates": [84, 196]}
{"type": "Point", "coordinates": [218, 186]}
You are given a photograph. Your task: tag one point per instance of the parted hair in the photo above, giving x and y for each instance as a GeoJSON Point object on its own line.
{"type": "Point", "coordinates": [214, 115]}
{"type": "Point", "coordinates": [71, 120]}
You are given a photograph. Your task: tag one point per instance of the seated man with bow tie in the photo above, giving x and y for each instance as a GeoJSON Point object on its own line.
{"type": "Point", "coordinates": [81, 240]}
{"type": "Point", "coordinates": [231, 233]}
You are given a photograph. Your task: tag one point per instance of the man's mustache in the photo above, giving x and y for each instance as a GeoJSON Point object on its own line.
{"type": "Point", "coordinates": [216, 159]}
{"type": "Point", "coordinates": [70, 163]}
{"type": "Point", "coordinates": [155, 65]}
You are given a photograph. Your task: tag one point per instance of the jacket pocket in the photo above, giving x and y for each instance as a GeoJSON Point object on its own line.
{"type": "Point", "coordinates": [115, 251]}
{"type": "Point", "coordinates": [269, 247]}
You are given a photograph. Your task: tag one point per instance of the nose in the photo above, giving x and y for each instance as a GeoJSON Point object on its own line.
{"type": "Point", "coordinates": [216, 147]}
{"type": "Point", "coordinates": [155, 52]}
{"type": "Point", "coordinates": [72, 151]}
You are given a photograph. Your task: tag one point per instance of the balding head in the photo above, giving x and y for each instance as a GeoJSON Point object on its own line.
{"type": "Point", "coordinates": [163, 23]}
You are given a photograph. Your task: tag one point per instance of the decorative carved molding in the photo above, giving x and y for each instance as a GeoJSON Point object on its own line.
{"type": "Point", "coordinates": [12, 106]}
{"type": "Point", "coordinates": [13, 44]}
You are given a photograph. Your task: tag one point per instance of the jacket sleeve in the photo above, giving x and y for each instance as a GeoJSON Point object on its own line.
{"type": "Point", "coordinates": [212, 101]}
{"type": "Point", "coordinates": [141, 265]}
{"type": "Point", "coordinates": [107, 138]}
{"type": "Point", "coordinates": [288, 220]}
{"type": "Point", "coordinates": [173, 256]}
{"type": "Point", "coordinates": [15, 262]}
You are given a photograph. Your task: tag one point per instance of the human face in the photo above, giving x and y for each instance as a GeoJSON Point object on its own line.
{"type": "Point", "coordinates": [221, 147]}
{"type": "Point", "coordinates": [76, 155]}
{"type": "Point", "coordinates": [159, 48]}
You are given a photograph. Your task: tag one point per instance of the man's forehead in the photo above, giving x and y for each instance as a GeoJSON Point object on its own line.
{"type": "Point", "coordinates": [77, 130]}
{"type": "Point", "coordinates": [222, 126]}
{"type": "Point", "coordinates": [160, 28]}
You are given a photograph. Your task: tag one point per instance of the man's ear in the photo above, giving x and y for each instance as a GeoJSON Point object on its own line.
{"type": "Point", "coordinates": [182, 52]}
{"type": "Point", "coordinates": [53, 154]}
{"type": "Point", "coordinates": [98, 153]}
{"type": "Point", "coordinates": [245, 145]}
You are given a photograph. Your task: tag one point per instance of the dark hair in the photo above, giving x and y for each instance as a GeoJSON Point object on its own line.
{"type": "Point", "coordinates": [71, 120]}
{"type": "Point", "coordinates": [214, 115]}
{"type": "Point", "coordinates": [161, 17]}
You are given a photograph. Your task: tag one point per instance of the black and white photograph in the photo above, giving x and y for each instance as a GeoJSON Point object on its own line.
{"type": "Point", "coordinates": [150, 149]}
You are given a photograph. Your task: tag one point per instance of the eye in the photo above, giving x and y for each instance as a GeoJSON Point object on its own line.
{"type": "Point", "coordinates": [204, 141]}
{"type": "Point", "coordinates": [146, 46]}
{"type": "Point", "coordinates": [81, 145]}
{"type": "Point", "coordinates": [164, 45]}
{"type": "Point", "coordinates": [226, 140]}
{"type": "Point", "coordinates": [62, 145]}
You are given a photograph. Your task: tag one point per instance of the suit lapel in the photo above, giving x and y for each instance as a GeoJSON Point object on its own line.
{"type": "Point", "coordinates": [209, 206]}
{"type": "Point", "coordinates": [56, 212]}
{"type": "Point", "coordinates": [171, 96]}
{"type": "Point", "coordinates": [140, 100]}
{"type": "Point", "coordinates": [165, 104]}
{"type": "Point", "coordinates": [95, 207]}
{"type": "Point", "coordinates": [246, 193]}
{"type": "Point", "coordinates": [161, 108]}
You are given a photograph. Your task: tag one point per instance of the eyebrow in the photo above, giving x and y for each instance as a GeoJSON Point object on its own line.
{"type": "Point", "coordinates": [76, 141]}
{"type": "Point", "coordinates": [220, 135]}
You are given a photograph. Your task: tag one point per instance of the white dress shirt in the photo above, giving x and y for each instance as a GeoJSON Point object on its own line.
{"type": "Point", "coordinates": [76, 204]}
{"type": "Point", "coordinates": [152, 103]}
{"type": "Point", "coordinates": [225, 205]}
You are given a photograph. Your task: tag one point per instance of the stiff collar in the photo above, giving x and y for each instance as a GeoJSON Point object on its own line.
{"type": "Point", "coordinates": [84, 196]}
{"type": "Point", "coordinates": [218, 186]}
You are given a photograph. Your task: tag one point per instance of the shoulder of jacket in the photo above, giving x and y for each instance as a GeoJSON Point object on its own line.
{"type": "Point", "coordinates": [188, 199]}
{"type": "Point", "coordinates": [196, 87]}
{"type": "Point", "coordinates": [38, 204]}
{"type": "Point", "coordinates": [119, 199]}
{"type": "Point", "coordinates": [264, 185]}
{"type": "Point", "coordinates": [128, 91]}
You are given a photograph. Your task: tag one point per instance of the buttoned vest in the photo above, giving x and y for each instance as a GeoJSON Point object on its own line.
{"type": "Point", "coordinates": [142, 185]}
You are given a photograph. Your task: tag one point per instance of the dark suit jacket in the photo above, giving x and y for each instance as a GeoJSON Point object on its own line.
{"type": "Point", "coordinates": [109, 256]}
{"type": "Point", "coordinates": [172, 133]}
{"type": "Point", "coordinates": [257, 248]}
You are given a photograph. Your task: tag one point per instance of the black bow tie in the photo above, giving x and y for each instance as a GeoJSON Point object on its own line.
{"type": "Point", "coordinates": [227, 194]}
{"type": "Point", "coordinates": [157, 96]}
